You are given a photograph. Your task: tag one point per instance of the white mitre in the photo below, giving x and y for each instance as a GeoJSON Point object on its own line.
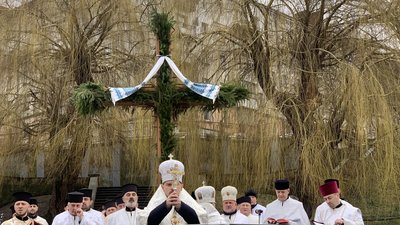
{"type": "Point", "coordinates": [205, 194]}
{"type": "Point", "coordinates": [170, 169]}
{"type": "Point", "coordinates": [228, 193]}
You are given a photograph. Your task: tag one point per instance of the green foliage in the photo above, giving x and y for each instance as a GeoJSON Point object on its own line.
{"type": "Point", "coordinates": [166, 101]}
{"type": "Point", "coordinates": [230, 94]}
{"type": "Point", "coordinates": [161, 25]}
{"type": "Point", "coordinates": [89, 98]}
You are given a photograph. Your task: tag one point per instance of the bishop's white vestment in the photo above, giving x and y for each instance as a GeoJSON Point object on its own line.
{"type": "Point", "coordinates": [213, 215]}
{"type": "Point", "coordinates": [159, 198]}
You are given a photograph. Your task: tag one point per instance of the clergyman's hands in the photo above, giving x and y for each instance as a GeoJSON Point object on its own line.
{"type": "Point", "coordinates": [79, 212]}
{"type": "Point", "coordinates": [339, 221]}
{"type": "Point", "coordinates": [173, 200]}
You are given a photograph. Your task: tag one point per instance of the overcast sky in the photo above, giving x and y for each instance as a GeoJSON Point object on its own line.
{"type": "Point", "coordinates": [11, 3]}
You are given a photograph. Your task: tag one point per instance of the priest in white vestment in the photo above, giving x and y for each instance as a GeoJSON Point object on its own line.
{"type": "Point", "coordinates": [74, 213]}
{"type": "Point", "coordinates": [33, 212]}
{"type": "Point", "coordinates": [256, 209]}
{"type": "Point", "coordinates": [335, 211]}
{"type": "Point", "coordinates": [205, 196]}
{"type": "Point", "coordinates": [110, 207]}
{"type": "Point", "coordinates": [171, 203]}
{"type": "Point", "coordinates": [120, 203]}
{"type": "Point", "coordinates": [129, 214]}
{"type": "Point", "coordinates": [285, 207]}
{"type": "Point", "coordinates": [229, 207]}
{"type": "Point", "coordinates": [21, 206]}
{"type": "Point", "coordinates": [244, 207]}
{"type": "Point", "coordinates": [87, 204]}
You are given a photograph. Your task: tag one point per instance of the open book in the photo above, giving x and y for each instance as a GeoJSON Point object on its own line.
{"type": "Point", "coordinates": [278, 221]}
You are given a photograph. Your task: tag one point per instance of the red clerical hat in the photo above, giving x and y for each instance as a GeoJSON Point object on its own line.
{"type": "Point", "coordinates": [328, 188]}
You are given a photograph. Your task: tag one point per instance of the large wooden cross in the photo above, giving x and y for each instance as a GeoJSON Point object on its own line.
{"type": "Point", "coordinates": [166, 98]}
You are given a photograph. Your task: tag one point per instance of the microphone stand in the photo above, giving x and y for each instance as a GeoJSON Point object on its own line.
{"type": "Point", "coordinates": [258, 212]}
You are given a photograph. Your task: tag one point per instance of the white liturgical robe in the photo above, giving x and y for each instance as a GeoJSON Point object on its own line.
{"type": "Point", "coordinates": [124, 217]}
{"type": "Point", "coordinates": [258, 207]}
{"type": "Point", "coordinates": [97, 216]}
{"type": "Point", "coordinates": [350, 214]}
{"type": "Point", "coordinates": [290, 209]}
{"type": "Point", "coordinates": [40, 220]}
{"type": "Point", "coordinates": [213, 215]}
{"type": "Point", "coordinates": [16, 221]}
{"type": "Point", "coordinates": [236, 218]}
{"type": "Point", "coordinates": [65, 218]}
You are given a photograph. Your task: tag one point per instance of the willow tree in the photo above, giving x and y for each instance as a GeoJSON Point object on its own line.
{"type": "Point", "coordinates": [321, 66]}
{"type": "Point", "coordinates": [51, 48]}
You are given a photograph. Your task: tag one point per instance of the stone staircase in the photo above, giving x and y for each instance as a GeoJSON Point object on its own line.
{"type": "Point", "coordinates": [104, 194]}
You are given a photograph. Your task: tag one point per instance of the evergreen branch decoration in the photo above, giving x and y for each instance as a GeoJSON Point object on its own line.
{"type": "Point", "coordinates": [161, 25]}
{"type": "Point", "coordinates": [90, 98]}
{"type": "Point", "coordinates": [229, 95]}
{"type": "Point", "coordinates": [167, 99]}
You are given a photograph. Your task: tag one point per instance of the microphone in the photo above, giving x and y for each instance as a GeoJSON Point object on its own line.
{"type": "Point", "coordinates": [258, 211]}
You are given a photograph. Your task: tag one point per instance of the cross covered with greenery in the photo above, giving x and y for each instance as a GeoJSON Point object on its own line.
{"type": "Point", "coordinates": [167, 100]}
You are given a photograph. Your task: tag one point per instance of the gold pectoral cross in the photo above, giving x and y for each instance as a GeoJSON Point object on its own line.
{"type": "Point", "coordinates": [175, 220]}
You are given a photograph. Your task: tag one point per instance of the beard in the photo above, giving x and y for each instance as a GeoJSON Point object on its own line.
{"type": "Point", "coordinates": [131, 203]}
{"type": "Point", "coordinates": [85, 207]}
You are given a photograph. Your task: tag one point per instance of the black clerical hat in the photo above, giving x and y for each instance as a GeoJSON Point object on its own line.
{"type": "Point", "coordinates": [243, 199]}
{"type": "Point", "coordinates": [281, 184]}
{"type": "Point", "coordinates": [129, 188]}
{"type": "Point", "coordinates": [87, 192]}
{"type": "Point", "coordinates": [75, 197]}
{"type": "Point", "coordinates": [251, 192]}
{"type": "Point", "coordinates": [119, 200]}
{"type": "Point", "coordinates": [22, 196]}
{"type": "Point", "coordinates": [110, 204]}
{"type": "Point", "coordinates": [33, 201]}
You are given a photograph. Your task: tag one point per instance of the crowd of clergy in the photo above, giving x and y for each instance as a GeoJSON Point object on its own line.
{"type": "Point", "coordinates": [171, 204]}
